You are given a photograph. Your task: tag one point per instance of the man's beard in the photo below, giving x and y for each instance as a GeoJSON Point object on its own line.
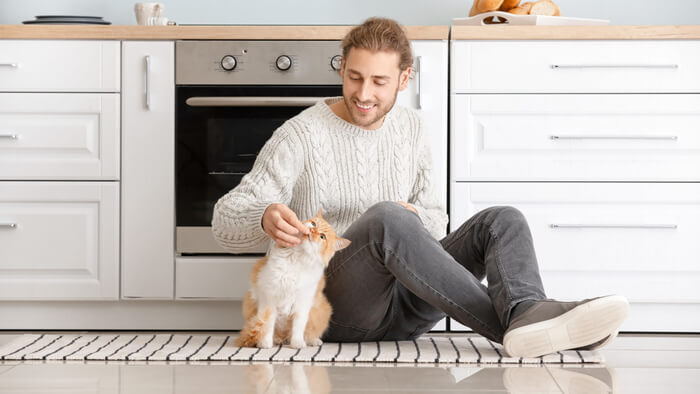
{"type": "Point", "coordinates": [379, 111]}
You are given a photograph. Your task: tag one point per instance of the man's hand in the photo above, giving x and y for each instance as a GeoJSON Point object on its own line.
{"type": "Point", "coordinates": [282, 225]}
{"type": "Point", "coordinates": [405, 205]}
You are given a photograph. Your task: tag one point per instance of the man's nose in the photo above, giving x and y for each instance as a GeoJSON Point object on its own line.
{"type": "Point", "coordinates": [365, 92]}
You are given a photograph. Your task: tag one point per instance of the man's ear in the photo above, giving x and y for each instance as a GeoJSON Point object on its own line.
{"type": "Point", "coordinates": [341, 72]}
{"type": "Point", "coordinates": [404, 77]}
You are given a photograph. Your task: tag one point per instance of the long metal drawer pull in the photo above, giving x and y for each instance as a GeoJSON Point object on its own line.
{"type": "Point", "coordinates": [9, 135]}
{"type": "Point", "coordinates": [646, 226]}
{"type": "Point", "coordinates": [12, 65]}
{"type": "Point", "coordinates": [560, 66]}
{"type": "Point", "coordinates": [148, 82]}
{"type": "Point", "coordinates": [8, 225]}
{"type": "Point", "coordinates": [614, 137]}
{"type": "Point", "coordinates": [252, 101]}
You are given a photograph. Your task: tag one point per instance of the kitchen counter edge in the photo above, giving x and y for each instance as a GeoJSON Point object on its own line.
{"type": "Point", "coordinates": [131, 32]}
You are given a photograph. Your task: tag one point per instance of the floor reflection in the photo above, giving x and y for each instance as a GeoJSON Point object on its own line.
{"type": "Point", "coordinates": [300, 378]}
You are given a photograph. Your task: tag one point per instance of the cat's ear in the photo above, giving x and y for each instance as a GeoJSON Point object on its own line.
{"type": "Point", "coordinates": [341, 243]}
{"type": "Point", "coordinates": [319, 214]}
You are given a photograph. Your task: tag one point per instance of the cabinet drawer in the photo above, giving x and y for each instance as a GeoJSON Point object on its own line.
{"type": "Point", "coordinates": [575, 66]}
{"type": "Point", "coordinates": [604, 137]}
{"type": "Point", "coordinates": [59, 66]}
{"type": "Point", "coordinates": [635, 239]}
{"type": "Point", "coordinates": [213, 277]}
{"type": "Point", "coordinates": [59, 240]}
{"type": "Point", "coordinates": [58, 136]}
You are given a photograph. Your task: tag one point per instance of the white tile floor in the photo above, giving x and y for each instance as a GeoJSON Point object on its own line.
{"type": "Point", "coordinates": [634, 364]}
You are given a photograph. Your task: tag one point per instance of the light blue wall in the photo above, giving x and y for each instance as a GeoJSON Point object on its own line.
{"type": "Point", "coordinates": [333, 12]}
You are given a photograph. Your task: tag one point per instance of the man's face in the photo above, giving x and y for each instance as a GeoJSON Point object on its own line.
{"type": "Point", "coordinates": [371, 82]}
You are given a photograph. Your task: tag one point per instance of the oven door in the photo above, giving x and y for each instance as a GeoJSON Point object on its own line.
{"type": "Point", "coordinates": [219, 132]}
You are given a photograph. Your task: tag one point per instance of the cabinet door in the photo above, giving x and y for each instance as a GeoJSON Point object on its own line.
{"type": "Point", "coordinates": [59, 240]}
{"type": "Point", "coordinates": [591, 239]}
{"type": "Point", "coordinates": [427, 94]}
{"type": "Point", "coordinates": [148, 185]}
{"type": "Point", "coordinates": [576, 66]}
{"type": "Point", "coordinates": [575, 137]}
{"type": "Point", "coordinates": [59, 66]}
{"type": "Point", "coordinates": [59, 136]}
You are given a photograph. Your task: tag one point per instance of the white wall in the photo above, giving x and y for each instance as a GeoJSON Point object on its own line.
{"type": "Point", "coordinates": [334, 12]}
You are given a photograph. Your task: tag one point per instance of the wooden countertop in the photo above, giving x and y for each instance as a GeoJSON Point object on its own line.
{"type": "Point", "coordinates": [685, 32]}
{"type": "Point", "coordinates": [133, 32]}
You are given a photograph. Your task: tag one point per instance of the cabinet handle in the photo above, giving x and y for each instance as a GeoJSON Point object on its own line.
{"type": "Point", "coordinates": [148, 82]}
{"type": "Point", "coordinates": [226, 101]}
{"type": "Point", "coordinates": [9, 135]}
{"type": "Point", "coordinates": [614, 137]}
{"type": "Point", "coordinates": [419, 65]}
{"type": "Point", "coordinates": [645, 226]}
{"type": "Point", "coordinates": [11, 65]}
{"type": "Point", "coordinates": [8, 225]}
{"type": "Point", "coordinates": [585, 66]}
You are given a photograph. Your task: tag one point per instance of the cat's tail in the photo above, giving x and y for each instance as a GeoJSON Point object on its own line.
{"type": "Point", "coordinates": [253, 331]}
{"type": "Point", "coordinates": [246, 338]}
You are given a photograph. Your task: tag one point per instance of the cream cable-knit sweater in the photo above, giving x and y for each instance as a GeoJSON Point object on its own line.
{"type": "Point", "coordinates": [318, 160]}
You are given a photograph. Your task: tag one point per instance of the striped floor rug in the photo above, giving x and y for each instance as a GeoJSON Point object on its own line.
{"type": "Point", "coordinates": [175, 347]}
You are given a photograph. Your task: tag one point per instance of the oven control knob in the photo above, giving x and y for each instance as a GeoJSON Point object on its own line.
{"type": "Point", "coordinates": [336, 62]}
{"type": "Point", "coordinates": [284, 63]}
{"type": "Point", "coordinates": [228, 62]}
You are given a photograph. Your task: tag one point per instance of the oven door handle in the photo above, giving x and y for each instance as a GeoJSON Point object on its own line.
{"type": "Point", "coordinates": [252, 101]}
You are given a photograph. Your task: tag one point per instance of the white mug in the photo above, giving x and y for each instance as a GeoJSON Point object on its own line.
{"type": "Point", "coordinates": [146, 12]}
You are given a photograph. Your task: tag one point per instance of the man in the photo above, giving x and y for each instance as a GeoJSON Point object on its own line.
{"type": "Point", "coordinates": [365, 163]}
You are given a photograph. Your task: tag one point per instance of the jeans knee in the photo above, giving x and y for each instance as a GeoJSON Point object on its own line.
{"type": "Point", "coordinates": [506, 214]}
{"type": "Point", "coordinates": [389, 214]}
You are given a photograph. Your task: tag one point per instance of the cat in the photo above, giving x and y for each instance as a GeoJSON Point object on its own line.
{"type": "Point", "coordinates": [285, 303]}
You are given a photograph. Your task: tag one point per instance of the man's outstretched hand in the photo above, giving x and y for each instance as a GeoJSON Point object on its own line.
{"type": "Point", "coordinates": [282, 225]}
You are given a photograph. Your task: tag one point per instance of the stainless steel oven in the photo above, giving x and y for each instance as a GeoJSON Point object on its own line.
{"type": "Point", "coordinates": [230, 97]}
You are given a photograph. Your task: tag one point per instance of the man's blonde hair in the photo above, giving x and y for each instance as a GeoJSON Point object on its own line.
{"type": "Point", "coordinates": [380, 34]}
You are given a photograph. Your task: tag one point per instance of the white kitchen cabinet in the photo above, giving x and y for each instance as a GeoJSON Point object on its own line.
{"type": "Point", "coordinates": [639, 238]}
{"type": "Point", "coordinates": [594, 143]}
{"type": "Point", "coordinates": [59, 136]}
{"type": "Point", "coordinates": [600, 66]}
{"type": "Point", "coordinates": [427, 94]}
{"type": "Point", "coordinates": [148, 170]}
{"type": "Point", "coordinates": [59, 240]}
{"type": "Point", "coordinates": [59, 66]}
{"type": "Point", "coordinates": [59, 122]}
{"type": "Point", "coordinates": [576, 137]}
{"type": "Point", "coordinates": [216, 278]}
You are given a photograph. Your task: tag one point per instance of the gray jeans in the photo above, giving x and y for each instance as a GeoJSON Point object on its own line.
{"type": "Point", "coordinates": [395, 281]}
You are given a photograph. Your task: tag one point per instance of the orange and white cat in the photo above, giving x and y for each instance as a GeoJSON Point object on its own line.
{"type": "Point", "coordinates": [285, 303]}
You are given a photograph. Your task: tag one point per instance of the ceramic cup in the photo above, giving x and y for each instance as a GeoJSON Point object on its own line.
{"type": "Point", "coordinates": [146, 13]}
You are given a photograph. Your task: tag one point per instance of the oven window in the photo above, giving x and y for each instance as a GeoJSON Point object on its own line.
{"type": "Point", "coordinates": [217, 145]}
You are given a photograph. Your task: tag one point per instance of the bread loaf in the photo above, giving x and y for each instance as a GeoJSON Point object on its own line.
{"type": "Point", "coordinates": [522, 9]}
{"type": "Point", "coordinates": [545, 7]}
{"type": "Point", "coordinates": [509, 5]}
{"type": "Point", "coordinates": [481, 6]}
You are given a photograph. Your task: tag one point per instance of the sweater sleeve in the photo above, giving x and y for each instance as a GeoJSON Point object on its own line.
{"type": "Point", "coordinates": [423, 195]}
{"type": "Point", "coordinates": [236, 222]}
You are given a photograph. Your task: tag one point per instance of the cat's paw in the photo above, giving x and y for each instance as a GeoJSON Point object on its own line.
{"type": "Point", "coordinates": [265, 343]}
{"type": "Point", "coordinates": [315, 342]}
{"type": "Point", "coordinates": [297, 343]}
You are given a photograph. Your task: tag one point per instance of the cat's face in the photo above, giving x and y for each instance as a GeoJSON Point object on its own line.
{"type": "Point", "coordinates": [324, 238]}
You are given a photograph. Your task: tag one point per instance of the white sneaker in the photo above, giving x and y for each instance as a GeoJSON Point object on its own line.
{"type": "Point", "coordinates": [549, 326]}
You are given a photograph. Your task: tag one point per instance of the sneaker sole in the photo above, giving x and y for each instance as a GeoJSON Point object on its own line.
{"type": "Point", "coordinates": [585, 324]}
{"type": "Point", "coordinates": [611, 337]}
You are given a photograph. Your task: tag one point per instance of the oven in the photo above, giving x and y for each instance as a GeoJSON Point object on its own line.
{"type": "Point", "coordinates": [230, 96]}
